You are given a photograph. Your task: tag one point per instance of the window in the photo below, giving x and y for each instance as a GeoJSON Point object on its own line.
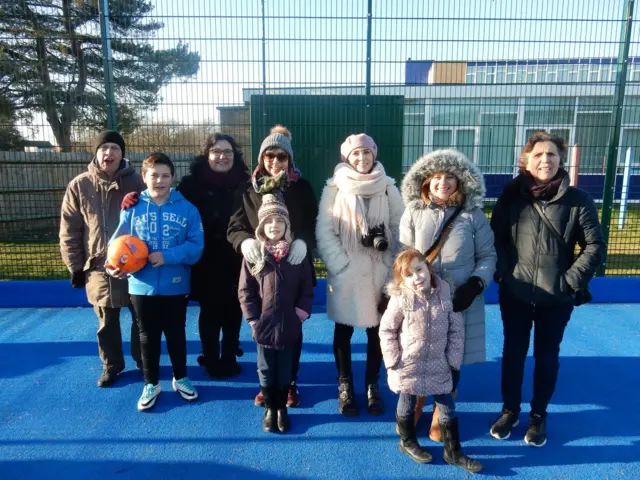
{"type": "Point", "coordinates": [583, 73]}
{"type": "Point", "coordinates": [552, 73]}
{"type": "Point", "coordinates": [563, 73]}
{"type": "Point", "coordinates": [521, 73]}
{"type": "Point", "coordinates": [594, 71]}
{"type": "Point", "coordinates": [549, 111]}
{"type": "Point", "coordinates": [471, 74]}
{"type": "Point", "coordinates": [605, 73]}
{"type": "Point", "coordinates": [491, 74]}
{"type": "Point", "coordinates": [500, 74]}
{"type": "Point", "coordinates": [542, 73]}
{"type": "Point", "coordinates": [511, 73]}
{"type": "Point", "coordinates": [573, 73]}
{"type": "Point", "coordinates": [531, 73]}
{"type": "Point", "coordinates": [481, 74]}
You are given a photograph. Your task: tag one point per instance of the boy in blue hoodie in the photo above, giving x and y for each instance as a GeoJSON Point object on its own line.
{"type": "Point", "coordinates": [172, 230]}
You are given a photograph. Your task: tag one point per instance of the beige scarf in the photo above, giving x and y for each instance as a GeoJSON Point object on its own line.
{"type": "Point", "coordinates": [351, 218]}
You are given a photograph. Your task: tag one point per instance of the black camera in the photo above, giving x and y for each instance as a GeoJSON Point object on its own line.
{"type": "Point", "coordinates": [376, 239]}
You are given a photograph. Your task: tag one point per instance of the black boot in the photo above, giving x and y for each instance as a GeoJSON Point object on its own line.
{"type": "Point", "coordinates": [346, 398]}
{"type": "Point", "coordinates": [453, 453]}
{"type": "Point", "coordinates": [269, 420]}
{"type": "Point", "coordinates": [283, 413]}
{"type": "Point", "coordinates": [375, 404]}
{"type": "Point", "coordinates": [409, 440]}
{"type": "Point", "coordinates": [228, 367]}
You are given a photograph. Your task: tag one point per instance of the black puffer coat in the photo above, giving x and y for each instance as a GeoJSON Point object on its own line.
{"type": "Point", "coordinates": [303, 210]}
{"type": "Point", "coordinates": [218, 271]}
{"type": "Point", "coordinates": [532, 265]}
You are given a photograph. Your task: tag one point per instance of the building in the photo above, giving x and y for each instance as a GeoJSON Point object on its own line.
{"type": "Point", "coordinates": [485, 109]}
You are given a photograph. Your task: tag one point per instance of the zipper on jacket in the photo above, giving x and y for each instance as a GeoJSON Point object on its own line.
{"type": "Point", "coordinates": [535, 274]}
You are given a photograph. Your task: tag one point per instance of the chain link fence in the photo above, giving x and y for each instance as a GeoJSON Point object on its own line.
{"type": "Point", "coordinates": [476, 75]}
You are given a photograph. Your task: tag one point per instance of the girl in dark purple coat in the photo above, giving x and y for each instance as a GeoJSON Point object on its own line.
{"type": "Point", "coordinates": [276, 298]}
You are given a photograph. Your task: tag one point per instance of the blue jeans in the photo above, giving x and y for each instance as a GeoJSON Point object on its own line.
{"type": "Point", "coordinates": [274, 366]}
{"type": "Point", "coordinates": [445, 404]}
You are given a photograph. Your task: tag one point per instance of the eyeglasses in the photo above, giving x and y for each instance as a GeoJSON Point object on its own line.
{"type": "Point", "coordinates": [280, 157]}
{"type": "Point", "coordinates": [220, 153]}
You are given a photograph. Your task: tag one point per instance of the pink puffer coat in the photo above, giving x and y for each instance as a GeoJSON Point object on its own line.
{"type": "Point", "coordinates": [422, 339]}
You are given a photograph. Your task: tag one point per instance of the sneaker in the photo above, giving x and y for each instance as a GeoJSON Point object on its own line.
{"type": "Point", "coordinates": [148, 398]}
{"type": "Point", "coordinates": [185, 389]}
{"type": "Point", "coordinates": [537, 432]}
{"type": "Point", "coordinates": [293, 395]}
{"type": "Point", "coordinates": [259, 400]}
{"type": "Point", "coordinates": [108, 377]}
{"type": "Point", "coordinates": [501, 429]}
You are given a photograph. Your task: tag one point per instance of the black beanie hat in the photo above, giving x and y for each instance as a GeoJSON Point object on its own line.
{"type": "Point", "coordinates": [109, 136]}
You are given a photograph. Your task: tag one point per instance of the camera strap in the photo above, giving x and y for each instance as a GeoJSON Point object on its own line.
{"type": "Point", "coordinates": [433, 251]}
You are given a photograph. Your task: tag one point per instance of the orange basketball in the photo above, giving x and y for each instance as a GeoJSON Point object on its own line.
{"type": "Point", "coordinates": [128, 253]}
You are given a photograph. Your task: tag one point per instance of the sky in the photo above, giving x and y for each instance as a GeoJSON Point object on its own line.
{"type": "Point", "coordinates": [323, 43]}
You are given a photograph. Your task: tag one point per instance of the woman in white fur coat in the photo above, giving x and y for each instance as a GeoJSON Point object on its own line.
{"type": "Point", "coordinates": [357, 235]}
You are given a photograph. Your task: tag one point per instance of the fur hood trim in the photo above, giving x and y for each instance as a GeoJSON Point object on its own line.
{"type": "Point", "coordinates": [450, 161]}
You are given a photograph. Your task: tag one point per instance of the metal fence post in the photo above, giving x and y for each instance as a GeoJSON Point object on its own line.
{"type": "Point", "coordinates": [105, 32]}
{"type": "Point", "coordinates": [614, 137]}
{"type": "Point", "coordinates": [367, 88]}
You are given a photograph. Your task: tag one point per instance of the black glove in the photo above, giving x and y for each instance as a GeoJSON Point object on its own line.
{"type": "Point", "coordinates": [384, 302]}
{"type": "Point", "coordinates": [455, 378]}
{"type": "Point", "coordinates": [465, 294]}
{"type": "Point", "coordinates": [78, 279]}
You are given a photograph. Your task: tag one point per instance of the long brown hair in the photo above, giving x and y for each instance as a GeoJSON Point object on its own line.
{"type": "Point", "coordinates": [457, 198]}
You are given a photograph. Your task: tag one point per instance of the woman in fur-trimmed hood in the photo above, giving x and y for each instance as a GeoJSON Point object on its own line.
{"type": "Point", "coordinates": [438, 186]}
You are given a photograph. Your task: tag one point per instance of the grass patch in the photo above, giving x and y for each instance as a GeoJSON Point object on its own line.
{"type": "Point", "coordinates": [42, 261]}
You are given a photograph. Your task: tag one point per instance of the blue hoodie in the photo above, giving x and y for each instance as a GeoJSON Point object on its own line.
{"type": "Point", "coordinates": [173, 228]}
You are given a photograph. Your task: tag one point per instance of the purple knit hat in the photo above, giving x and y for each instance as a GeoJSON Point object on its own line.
{"type": "Point", "coordinates": [360, 140]}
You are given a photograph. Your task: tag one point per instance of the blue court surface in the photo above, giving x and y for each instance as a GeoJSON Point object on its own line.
{"type": "Point", "coordinates": [55, 422]}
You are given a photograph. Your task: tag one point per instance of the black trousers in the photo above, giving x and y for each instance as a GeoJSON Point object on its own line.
{"type": "Point", "coordinates": [550, 322]}
{"type": "Point", "coordinates": [342, 353]}
{"type": "Point", "coordinates": [156, 315]}
{"type": "Point", "coordinates": [219, 315]}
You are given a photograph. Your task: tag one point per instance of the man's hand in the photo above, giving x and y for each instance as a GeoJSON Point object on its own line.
{"type": "Point", "coordinates": [115, 272]}
{"type": "Point", "coordinates": [129, 200]}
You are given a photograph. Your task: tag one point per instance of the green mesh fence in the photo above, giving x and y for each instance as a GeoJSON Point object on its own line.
{"type": "Point", "coordinates": [476, 75]}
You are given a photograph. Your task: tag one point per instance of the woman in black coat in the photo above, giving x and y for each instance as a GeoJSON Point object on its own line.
{"type": "Point", "coordinates": [277, 174]}
{"type": "Point", "coordinates": [214, 178]}
{"type": "Point", "coordinates": [540, 277]}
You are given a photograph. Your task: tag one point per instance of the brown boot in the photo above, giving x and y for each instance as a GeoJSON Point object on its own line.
{"type": "Point", "coordinates": [435, 434]}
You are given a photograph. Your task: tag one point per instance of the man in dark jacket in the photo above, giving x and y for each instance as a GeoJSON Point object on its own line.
{"type": "Point", "coordinates": [211, 185]}
{"type": "Point", "coordinates": [90, 215]}
{"type": "Point", "coordinates": [540, 278]}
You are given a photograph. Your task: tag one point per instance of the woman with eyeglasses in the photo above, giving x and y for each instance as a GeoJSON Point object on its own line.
{"type": "Point", "coordinates": [211, 185]}
{"type": "Point", "coordinates": [277, 174]}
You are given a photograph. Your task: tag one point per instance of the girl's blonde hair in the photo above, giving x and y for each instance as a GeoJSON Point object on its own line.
{"type": "Point", "coordinates": [402, 266]}
{"type": "Point", "coordinates": [457, 198]}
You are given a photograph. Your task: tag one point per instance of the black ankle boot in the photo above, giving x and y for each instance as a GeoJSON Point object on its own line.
{"type": "Point", "coordinates": [453, 453]}
{"type": "Point", "coordinates": [409, 440]}
{"type": "Point", "coordinates": [346, 398]}
{"type": "Point", "coordinates": [283, 413]}
{"type": "Point", "coordinates": [269, 420]}
{"type": "Point", "coordinates": [375, 404]}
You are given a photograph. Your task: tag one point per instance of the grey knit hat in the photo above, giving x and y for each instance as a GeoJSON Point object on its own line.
{"type": "Point", "coordinates": [279, 137]}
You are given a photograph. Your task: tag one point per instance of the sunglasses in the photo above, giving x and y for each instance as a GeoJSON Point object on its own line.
{"type": "Point", "coordinates": [281, 157]}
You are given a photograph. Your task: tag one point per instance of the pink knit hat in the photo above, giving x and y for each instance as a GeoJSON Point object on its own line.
{"type": "Point", "coordinates": [361, 140]}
